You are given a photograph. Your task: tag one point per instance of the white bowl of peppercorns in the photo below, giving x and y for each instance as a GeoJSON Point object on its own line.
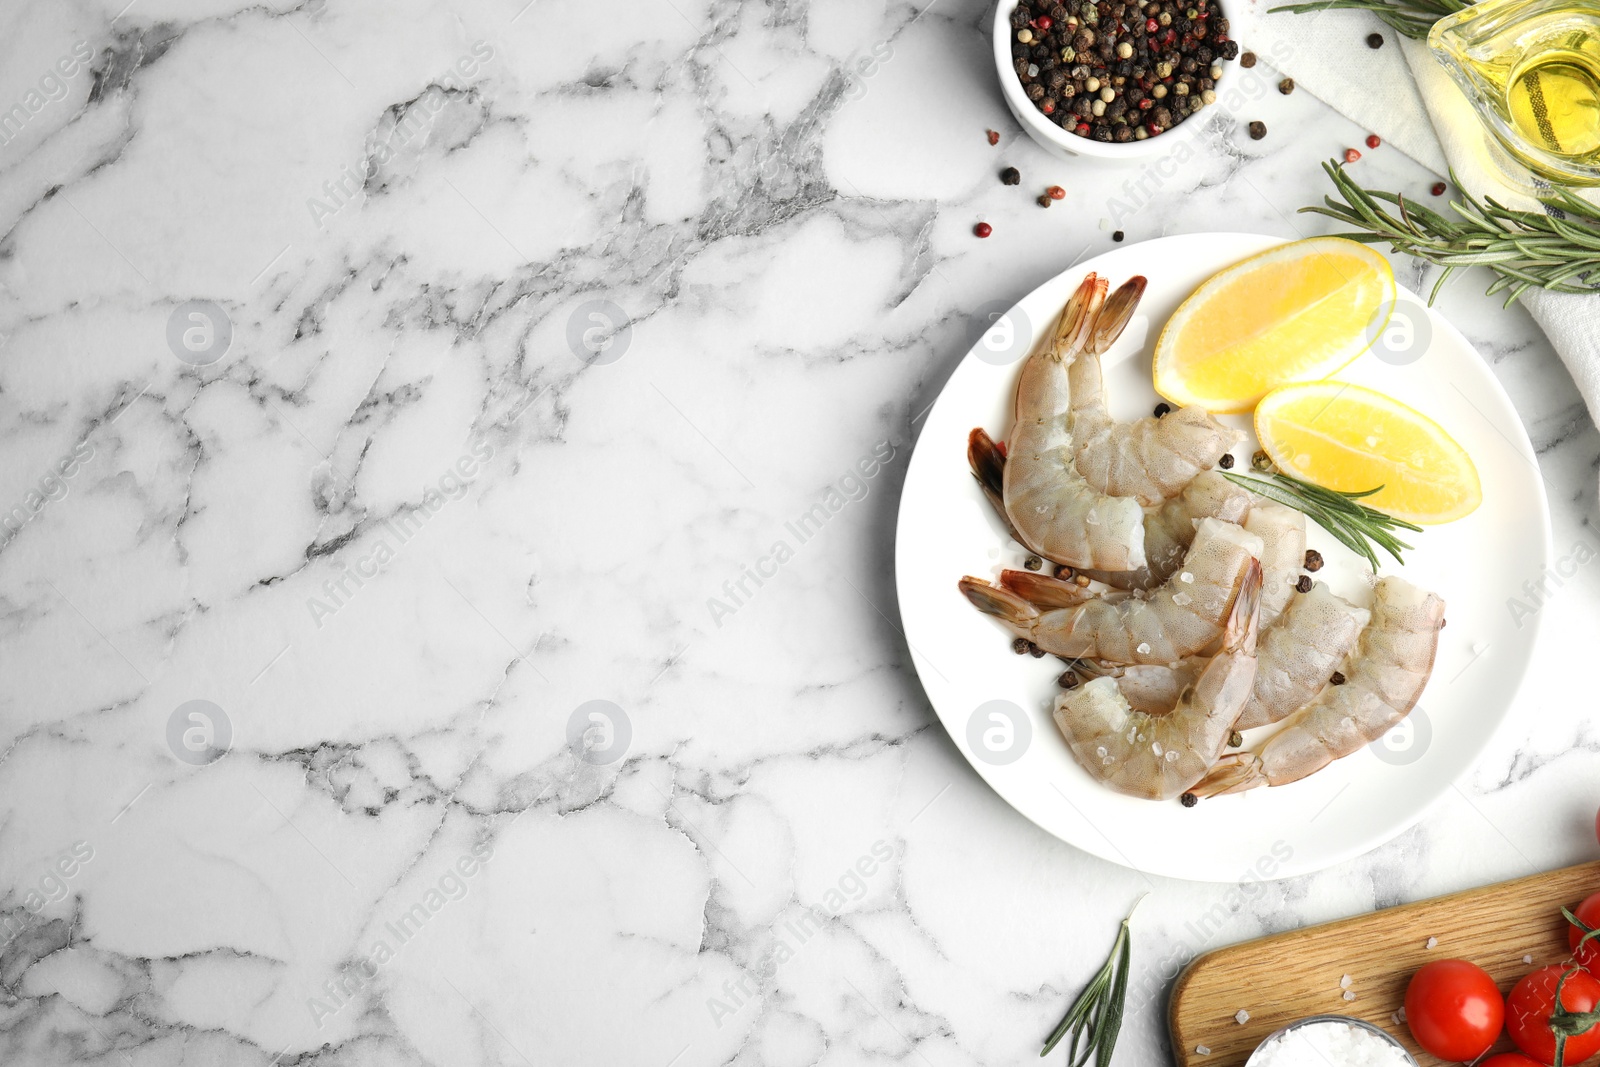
{"type": "Point", "coordinates": [1107, 78]}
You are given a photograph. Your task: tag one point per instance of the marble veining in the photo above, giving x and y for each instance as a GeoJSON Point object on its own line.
{"type": "Point", "coordinates": [404, 404]}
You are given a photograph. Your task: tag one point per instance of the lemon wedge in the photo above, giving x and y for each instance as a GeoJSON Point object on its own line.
{"type": "Point", "coordinates": [1350, 438]}
{"type": "Point", "coordinates": [1295, 313]}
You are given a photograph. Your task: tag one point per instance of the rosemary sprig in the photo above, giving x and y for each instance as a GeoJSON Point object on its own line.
{"type": "Point", "coordinates": [1527, 249]}
{"type": "Point", "coordinates": [1096, 1016]}
{"type": "Point", "coordinates": [1351, 522]}
{"type": "Point", "coordinates": [1414, 18]}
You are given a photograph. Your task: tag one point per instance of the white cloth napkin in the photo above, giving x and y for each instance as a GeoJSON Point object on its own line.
{"type": "Point", "coordinates": [1401, 93]}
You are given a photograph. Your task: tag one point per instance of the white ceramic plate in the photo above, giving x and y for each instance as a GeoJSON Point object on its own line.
{"type": "Point", "coordinates": [947, 529]}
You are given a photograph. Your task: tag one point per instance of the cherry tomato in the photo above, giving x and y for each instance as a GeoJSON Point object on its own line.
{"type": "Point", "coordinates": [1454, 1009]}
{"type": "Point", "coordinates": [1588, 956]}
{"type": "Point", "coordinates": [1510, 1059]}
{"type": "Point", "coordinates": [1531, 1002]}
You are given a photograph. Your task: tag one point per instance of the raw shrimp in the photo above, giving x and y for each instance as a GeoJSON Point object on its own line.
{"type": "Point", "coordinates": [1384, 678]}
{"type": "Point", "coordinates": [1149, 459]}
{"type": "Point", "coordinates": [1159, 753]}
{"type": "Point", "coordinates": [1169, 530]}
{"type": "Point", "coordinates": [1283, 537]}
{"type": "Point", "coordinates": [1295, 659]}
{"type": "Point", "coordinates": [1184, 616]}
{"type": "Point", "coordinates": [1052, 510]}
{"type": "Point", "coordinates": [1300, 650]}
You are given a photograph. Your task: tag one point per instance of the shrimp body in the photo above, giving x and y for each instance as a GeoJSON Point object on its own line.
{"type": "Point", "coordinates": [1295, 658]}
{"type": "Point", "coordinates": [1184, 616]}
{"type": "Point", "coordinates": [1149, 459]}
{"type": "Point", "coordinates": [1299, 652]}
{"type": "Point", "coordinates": [1169, 530]}
{"type": "Point", "coordinates": [1051, 508]}
{"type": "Point", "coordinates": [1283, 536]}
{"type": "Point", "coordinates": [1157, 753]}
{"type": "Point", "coordinates": [1384, 678]}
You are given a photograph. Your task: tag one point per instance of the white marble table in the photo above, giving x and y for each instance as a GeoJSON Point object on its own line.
{"type": "Point", "coordinates": [395, 534]}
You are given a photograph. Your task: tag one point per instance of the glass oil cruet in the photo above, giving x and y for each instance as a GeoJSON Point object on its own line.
{"type": "Point", "coordinates": [1531, 68]}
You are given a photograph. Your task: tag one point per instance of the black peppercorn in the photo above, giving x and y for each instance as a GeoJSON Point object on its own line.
{"type": "Point", "coordinates": [1226, 462]}
{"type": "Point", "coordinates": [1010, 176]}
{"type": "Point", "coordinates": [1337, 679]}
{"type": "Point", "coordinates": [1163, 409]}
{"type": "Point", "coordinates": [1304, 584]}
{"type": "Point", "coordinates": [1313, 560]}
{"type": "Point", "coordinates": [1035, 651]}
{"type": "Point", "coordinates": [1258, 130]}
{"type": "Point", "coordinates": [1374, 40]}
{"type": "Point", "coordinates": [1247, 60]}
{"type": "Point", "coordinates": [1286, 86]}
{"type": "Point", "coordinates": [1033, 563]}
{"type": "Point", "coordinates": [1068, 680]}
{"type": "Point", "coordinates": [1020, 645]}
{"type": "Point", "coordinates": [1188, 800]}
{"type": "Point", "coordinates": [1044, 200]}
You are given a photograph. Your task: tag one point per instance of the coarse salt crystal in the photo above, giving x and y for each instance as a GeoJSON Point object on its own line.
{"type": "Point", "coordinates": [1344, 983]}
{"type": "Point", "coordinates": [1144, 648]}
{"type": "Point", "coordinates": [1201, 1050]}
{"type": "Point", "coordinates": [1433, 942]}
{"type": "Point", "coordinates": [1182, 599]}
{"type": "Point", "coordinates": [1186, 578]}
{"type": "Point", "coordinates": [1241, 1017]}
{"type": "Point", "coordinates": [1527, 959]}
{"type": "Point", "coordinates": [1402, 1013]}
{"type": "Point", "coordinates": [1349, 994]}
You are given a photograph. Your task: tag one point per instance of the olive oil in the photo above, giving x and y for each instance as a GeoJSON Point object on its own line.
{"type": "Point", "coordinates": [1554, 102]}
{"type": "Point", "coordinates": [1532, 69]}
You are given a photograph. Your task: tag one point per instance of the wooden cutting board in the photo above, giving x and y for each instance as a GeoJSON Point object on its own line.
{"type": "Point", "coordinates": [1289, 976]}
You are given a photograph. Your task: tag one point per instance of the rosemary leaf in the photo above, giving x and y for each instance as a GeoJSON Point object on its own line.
{"type": "Point", "coordinates": [1526, 249]}
{"type": "Point", "coordinates": [1351, 522]}
{"type": "Point", "coordinates": [1096, 1016]}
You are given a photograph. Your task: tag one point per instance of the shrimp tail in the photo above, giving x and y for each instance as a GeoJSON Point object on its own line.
{"type": "Point", "coordinates": [1233, 773]}
{"type": "Point", "coordinates": [1077, 322]}
{"type": "Point", "coordinates": [1001, 603]}
{"type": "Point", "coordinates": [1114, 315]}
{"type": "Point", "coordinates": [1043, 591]}
{"type": "Point", "coordinates": [988, 465]}
{"type": "Point", "coordinates": [1239, 634]}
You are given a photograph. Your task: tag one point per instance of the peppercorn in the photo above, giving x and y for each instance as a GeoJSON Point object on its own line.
{"type": "Point", "coordinates": [1351, 155]}
{"type": "Point", "coordinates": [1033, 563]}
{"type": "Point", "coordinates": [1068, 680]}
{"type": "Point", "coordinates": [1304, 584]}
{"type": "Point", "coordinates": [1373, 141]}
{"type": "Point", "coordinates": [1235, 739]}
{"type": "Point", "coordinates": [1337, 679]}
{"type": "Point", "coordinates": [1313, 560]}
{"type": "Point", "coordinates": [1118, 235]}
{"type": "Point", "coordinates": [1044, 200]}
{"type": "Point", "coordinates": [1374, 40]}
{"type": "Point", "coordinates": [1055, 192]}
{"type": "Point", "coordinates": [1286, 86]}
{"type": "Point", "coordinates": [1188, 800]}
{"type": "Point", "coordinates": [1020, 646]}
{"type": "Point", "coordinates": [994, 136]}
{"type": "Point", "coordinates": [983, 229]}
{"type": "Point", "coordinates": [1258, 130]}
{"type": "Point", "coordinates": [1010, 176]}
{"type": "Point", "coordinates": [1035, 651]}
{"type": "Point", "coordinates": [1226, 462]}
{"type": "Point", "coordinates": [1063, 571]}
{"type": "Point", "coordinates": [1260, 461]}
{"type": "Point", "coordinates": [1438, 189]}
{"type": "Point", "coordinates": [1163, 409]}
{"type": "Point", "coordinates": [1247, 60]}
